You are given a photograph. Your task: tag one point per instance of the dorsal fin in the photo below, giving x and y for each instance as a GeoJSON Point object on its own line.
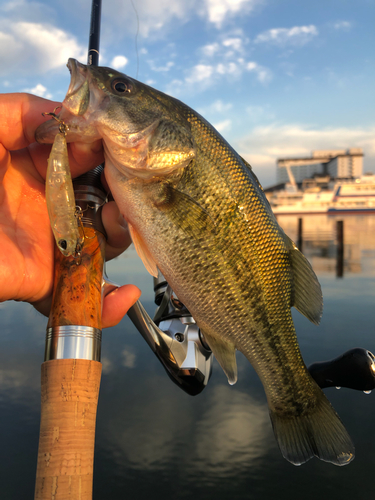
{"type": "Point", "coordinates": [307, 299]}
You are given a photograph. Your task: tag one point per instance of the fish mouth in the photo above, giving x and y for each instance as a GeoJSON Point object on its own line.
{"type": "Point", "coordinates": [78, 96]}
{"type": "Point", "coordinates": [78, 76]}
{"type": "Point", "coordinates": [46, 132]}
{"type": "Point", "coordinates": [75, 103]}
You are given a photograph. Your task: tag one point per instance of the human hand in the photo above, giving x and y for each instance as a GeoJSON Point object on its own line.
{"type": "Point", "coordinates": [26, 240]}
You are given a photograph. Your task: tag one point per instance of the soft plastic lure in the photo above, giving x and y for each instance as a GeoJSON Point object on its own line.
{"type": "Point", "coordinates": [60, 198]}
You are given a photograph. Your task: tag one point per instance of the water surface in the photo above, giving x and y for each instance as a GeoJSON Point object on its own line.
{"type": "Point", "coordinates": [153, 441]}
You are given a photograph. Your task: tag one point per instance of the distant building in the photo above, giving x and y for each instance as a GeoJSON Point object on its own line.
{"type": "Point", "coordinates": [340, 163]}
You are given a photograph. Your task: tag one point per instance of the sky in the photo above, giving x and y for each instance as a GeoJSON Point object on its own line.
{"type": "Point", "coordinates": [277, 78]}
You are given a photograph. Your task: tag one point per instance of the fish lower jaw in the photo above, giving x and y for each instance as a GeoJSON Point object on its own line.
{"type": "Point", "coordinates": [78, 76]}
{"type": "Point", "coordinates": [139, 173]}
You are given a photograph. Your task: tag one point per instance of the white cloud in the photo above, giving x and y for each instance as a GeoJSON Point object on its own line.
{"type": "Point", "coordinates": [263, 145]}
{"type": "Point", "coordinates": [226, 46]}
{"type": "Point", "coordinates": [210, 49]}
{"type": "Point", "coordinates": [224, 57]}
{"type": "Point", "coordinates": [215, 112]}
{"type": "Point", "coordinates": [154, 17]}
{"type": "Point", "coordinates": [220, 107]}
{"type": "Point", "coordinates": [218, 11]}
{"type": "Point", "coordinates": [208, 75]}
{"type": "Point", "coordinates": [163, 69]}
{"type": "Point", "coordinates": [342, 25]}
{"type": "Point", "coordinates": [264, 75]}
{"type": "Point", "coordinates": [200, 73]}
{"type": "Point", "coordinates": [296, 36]}
{"type": "Point", "coordinates": [30, 48]}
{"type": "Point", "coordinates": [234, 43]}
{"type": "Point", "coordinates": [230, 68]}
{"type": "Point", "coordinates": [223, 125]}
{"type": "Point", "coordinates": [39, 90]}
{"type": "Point", "coordinates": [119, 62]}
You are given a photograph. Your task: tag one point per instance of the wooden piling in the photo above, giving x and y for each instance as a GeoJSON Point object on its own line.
{"type": "Point", "coordinates": [340, 248]}
{"type": "Point", "coordinates": [300, 235]}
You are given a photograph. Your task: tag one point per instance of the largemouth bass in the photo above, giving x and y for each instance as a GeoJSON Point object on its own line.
{"type": "Point", "coordinates": [197, 212]}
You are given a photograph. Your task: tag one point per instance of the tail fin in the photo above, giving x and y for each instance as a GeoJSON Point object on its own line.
{"type": "Point", "coordinates": [319, 433]}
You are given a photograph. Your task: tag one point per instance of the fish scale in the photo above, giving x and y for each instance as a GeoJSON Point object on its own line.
{"type": "Point", "coordinates": [271, 283]}
{"type": "Point", "coordinates": [197, 212]}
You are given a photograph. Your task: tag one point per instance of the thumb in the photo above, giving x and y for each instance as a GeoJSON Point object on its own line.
{"type": "Point", "coordinates": [85, 156]}
{"type": "Point", "coordinates": [117, 303]}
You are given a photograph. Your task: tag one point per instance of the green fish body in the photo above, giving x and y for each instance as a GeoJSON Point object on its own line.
{"type": "Point", "coordinates": [197, 212]}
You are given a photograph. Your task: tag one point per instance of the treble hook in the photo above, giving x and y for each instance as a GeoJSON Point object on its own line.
{"type": "Point", "coordinates": [63, 127]}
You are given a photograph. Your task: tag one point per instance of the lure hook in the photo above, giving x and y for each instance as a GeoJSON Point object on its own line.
{"type": "Point", "coordinates": [79, 214]}
{"type": "Point", "coordinates": [63, 127]}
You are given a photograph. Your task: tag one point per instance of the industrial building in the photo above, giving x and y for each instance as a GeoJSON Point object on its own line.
{"type": "Point", "coordinates": [337, 163]}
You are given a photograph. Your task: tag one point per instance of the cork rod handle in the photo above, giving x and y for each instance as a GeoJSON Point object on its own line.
{"type": "Point", "coordinates": [70, 387]}
{"type": "Point", "coordinates": [70, 390]}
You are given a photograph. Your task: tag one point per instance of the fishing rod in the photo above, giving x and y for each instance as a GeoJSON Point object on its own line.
{"type": "Point", "coordinates": [71, 371]}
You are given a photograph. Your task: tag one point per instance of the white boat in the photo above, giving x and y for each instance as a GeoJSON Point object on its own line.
{"type": "Point", "coordinates": [323, 195]}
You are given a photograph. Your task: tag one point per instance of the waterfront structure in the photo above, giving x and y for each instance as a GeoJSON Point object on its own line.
{"type": "Point", "coordinates": [327, 182]}
{"type": "Point", "coordinates": [337, 163]}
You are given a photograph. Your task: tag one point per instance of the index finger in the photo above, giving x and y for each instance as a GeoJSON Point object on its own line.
{"type": "Point", "coordinates": [21, 114]}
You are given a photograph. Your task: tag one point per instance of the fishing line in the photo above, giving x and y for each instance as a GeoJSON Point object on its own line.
{"type": "Point", "coordinates": [136, 37]}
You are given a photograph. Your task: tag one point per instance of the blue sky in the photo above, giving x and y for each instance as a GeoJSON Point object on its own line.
{"type": "Point", "coordinates": [276, 77]}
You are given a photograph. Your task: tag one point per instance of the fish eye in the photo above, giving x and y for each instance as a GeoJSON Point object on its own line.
{"type": "Point", "coordinates": [63, 244]}
{"type": "Point", "coordinates": [121, 86]}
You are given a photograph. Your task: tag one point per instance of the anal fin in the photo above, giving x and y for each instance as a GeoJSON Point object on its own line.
{"type": "Point", "coordinates": [225, 353]}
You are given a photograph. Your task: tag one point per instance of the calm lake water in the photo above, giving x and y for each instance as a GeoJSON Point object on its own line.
{"type": "Point", "coordinates": [153, 441]}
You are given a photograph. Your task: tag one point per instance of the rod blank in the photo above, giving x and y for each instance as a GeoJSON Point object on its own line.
{"type": "Point", "coordinates": [94, 36]}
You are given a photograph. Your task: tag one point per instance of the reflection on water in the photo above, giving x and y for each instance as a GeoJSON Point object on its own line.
{"type": "Point", "coordinates": [319, 235]}
{"type": "Point", "coordinates": [156, 442]}
{"type": "Point", "coordinates": [240, 433]}
{"type": "Point", "coordinates": [230, 432]}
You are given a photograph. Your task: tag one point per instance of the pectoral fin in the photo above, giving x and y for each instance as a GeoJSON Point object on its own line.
{"type": "Point", "coordinates": [186, 213]}
{"type": "Point", "coordinates": [143, 252]}
{"type": "Point", "coordinates": [307, 299]}
{"type": "Point", "coordinates": [225, 353]}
